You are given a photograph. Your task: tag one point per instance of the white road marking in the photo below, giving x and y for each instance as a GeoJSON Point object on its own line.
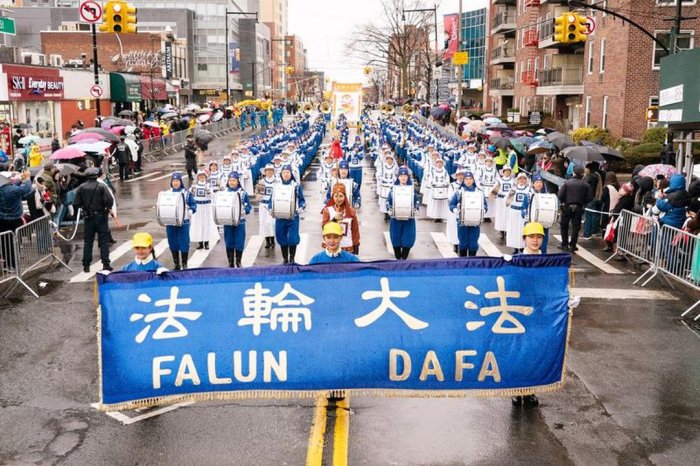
{"type": "Point", "coordinates": [142, 177]}
{"type": "Point", "coordinates": [622, 293]}
{"type": "Point", "coordinates": [97, 266]}
{"type": "Point", "coordinates": [489, 248]}
{"type": "Point", "coordinates": [167, 175]}
{"type": "Point", "coordinates": [301, 257]}
{"type": "Point", "coordinates": [251, 251]}
{"type": "Point", "coordinates": [443, 246]}
{"type": "Point", "coordinates": [589, 257]}
{"type": "Point", "coordinates": [161, 247]}
{"type": "Point", "coordinates": [389, 246]}
{"type": "Point", "coordinates": [127, 420]}
{"type": "Point", "coordinates": [200, 255]}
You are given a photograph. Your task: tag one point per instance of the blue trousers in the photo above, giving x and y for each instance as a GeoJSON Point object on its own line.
{"type": "Point", "coordinates": [356, 175]}
{"type": "Point", "coordinates": [287, 231]}
{"type": "Point", "coordinates": [468, 237]}
{"type": "Point", "coordinates": [402, 233]}
{"type": "Point", "coordinates": [545, 241]}
{"type": "Point", "coordinates": [178, 237]}
{"type": "Point", "coordinates": [234, 237]}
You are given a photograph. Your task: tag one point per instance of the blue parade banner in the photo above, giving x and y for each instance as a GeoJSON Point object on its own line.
{"type": "Point", "coordinates": [457, 327]}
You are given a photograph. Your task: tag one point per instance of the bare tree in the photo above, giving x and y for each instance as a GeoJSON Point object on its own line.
{"type": "Point", "coordinates": [397, 41]}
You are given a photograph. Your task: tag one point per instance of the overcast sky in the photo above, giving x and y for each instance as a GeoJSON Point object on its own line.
{"type": "Point", "coordinates": [325, 25]}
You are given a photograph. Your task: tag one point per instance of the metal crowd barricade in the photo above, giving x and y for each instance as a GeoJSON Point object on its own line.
{"type": "Point", "coordinates": [33, 246]}
{"type": "Point", "coordinates": [678, 256]}
{"type": "Point", "coordinates": [636, 237]}
{"type": "Point", "coordinates": [8, 261]}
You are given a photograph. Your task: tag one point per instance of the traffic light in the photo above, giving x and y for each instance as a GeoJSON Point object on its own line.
{"type": "Point", "coordinates": [290, 70]}
{"type": "Point", "coordinates": [119, 17]}
{"type": "Point", "coordinates": [367, 70]}
{"type": "Point", "coordinates": [580, 30]}
{"type": "Point", "coordinates": [560, 29]}
{"type": "Point", "coordinates": [653, 113]}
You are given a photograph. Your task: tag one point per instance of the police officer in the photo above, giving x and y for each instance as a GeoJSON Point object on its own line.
{"type": "Point", "coordinates": [121, 153]}
{"type": "Point", "coordinates": [573, 197]}
{"type": "Point", "coordinates": [96, 202]}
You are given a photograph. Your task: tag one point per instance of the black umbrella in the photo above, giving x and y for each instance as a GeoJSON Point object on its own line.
{"type": "Point", "coordinates": [560, 140]}
{"type": "Point", "coordinates": [106, 135]}
{"type": "Point", "coordinates": [499, 141]}
{"type": "Point", "coordinates": [25, 126]}
{"type": "Point", "coordinates": [125, 113]}
{"type": "Point", "coordinates": [583, 153]}
{"type": "Point", "coordinates": [203, 137]}
{"type": "Point", "coordinates": [609, 153]}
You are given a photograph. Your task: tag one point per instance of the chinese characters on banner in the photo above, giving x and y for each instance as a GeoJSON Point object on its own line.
{"type": "Point", "coordinates": [458, 326]}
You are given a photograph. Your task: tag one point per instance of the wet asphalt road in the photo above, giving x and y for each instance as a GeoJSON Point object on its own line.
{"type": "Point", "coordinates": [632, 393]}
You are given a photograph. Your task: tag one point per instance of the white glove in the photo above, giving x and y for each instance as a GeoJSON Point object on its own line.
{"type": "Point", "coordinates": [455, 211]}
{"type": "Point", "coordinates": [160, 270]}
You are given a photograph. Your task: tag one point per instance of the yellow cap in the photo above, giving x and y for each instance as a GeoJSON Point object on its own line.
{"type": "Point", "coordinates": [332, 228]}
{"type": "Point", "coordinates": [533, 228]}
{"type": "Point", "coordinates": [143, 240]}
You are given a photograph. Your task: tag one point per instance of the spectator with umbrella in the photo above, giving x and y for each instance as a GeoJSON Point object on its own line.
{"type": "Point", "coordinates": [11, 195]}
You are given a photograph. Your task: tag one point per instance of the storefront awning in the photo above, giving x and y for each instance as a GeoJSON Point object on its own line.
{"type": "Point", "coordinates": [125, 87]}
{"type": "Point", "coordinates": [153, 88]}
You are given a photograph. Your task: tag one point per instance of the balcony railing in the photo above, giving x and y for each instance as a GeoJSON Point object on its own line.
{"type": "Point", "coordinates": [568, 75]}
{"type": "Point", "coordinates": [502, 84]}
{"type": "Point", "coordinates": [503, 52]}
{"type": "Point", "coordinates": [503, 18]}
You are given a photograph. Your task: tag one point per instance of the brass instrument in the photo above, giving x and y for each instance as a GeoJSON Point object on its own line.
{"type": "Point", "coordinates": [387, 109]}
{"type": "Point", "coordinates": [408, 109]}
{"type": "Point", "coordinates": [307, 107]}
{"type": "Point", "coordinates": [325, 107]}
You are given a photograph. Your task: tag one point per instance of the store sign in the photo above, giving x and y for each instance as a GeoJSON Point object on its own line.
{"type": "Point", "coordinates": [24, 87]}
{"type": "Point", "coordinates": [168, 60]}
{"type": "Point", "coordinates": [139, 60]}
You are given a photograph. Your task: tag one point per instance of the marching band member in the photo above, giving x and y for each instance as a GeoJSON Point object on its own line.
{"type": "Point", "coordinates": [515, 222]}
{"type": "Point", "coordinates": [468, 235]}
{"type": "Point", "coordinates": [203, 229]}
{"type": "Point", "coordinates": [145, 260]}
{"type": "Point", "coordinates": [428, 163]}
{"type": "Point", "coordinates": [234, 236]}
{"type": "Point", "coordinates": [402, 232]}
{"type": "Point", "coordinates": [538, 187]}
{"type": "Point", "coordinates": [355, 162]}
{"type": "Point", "coordinates": [214, 177]}
{"type": "Point", "coordinates": [502, 188]}
{"type": "Point", "coordinates": [338, 210]}
{"type": "Point", "coordinates": [265, 220]}
{"type": "Point", "coordinates": [324, 172]}
{"type": "Point", "coordinates": [226, 168]}
{"type": "Point", "coordinates": [451, 229]}
{"type": "Point", "coordinates": [387, 175]}
{"type": "Point", "coordinates": [486, 179]}
{"type": "Point", "coordinates": [343, 173]}
{"type": "Point", "coordinates": [333, 253]}
{"type": "Point", "coordinates": [277, 165]}
{"type": "Point", "coordinates": [179, 237]}
{"type": "Point", "coordinates": [246, 171]}
{"type": "Point", "coordinates": [438, 181]}
{"type": "Point", "coordinates": [287, 231]}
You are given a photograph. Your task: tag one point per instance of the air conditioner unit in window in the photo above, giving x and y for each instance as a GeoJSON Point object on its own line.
{"type": "Point", "coordinates": [32, 58]}
{"type": "Point", "coordinates": [68, 27]}
{"type": "Point", "coordinates": [75, 62]}
{"type": "Point", "coordinates": [56, 60]}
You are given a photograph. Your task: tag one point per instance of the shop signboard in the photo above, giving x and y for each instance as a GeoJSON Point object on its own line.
{"type": "Point", "coordinates": [34, 87]}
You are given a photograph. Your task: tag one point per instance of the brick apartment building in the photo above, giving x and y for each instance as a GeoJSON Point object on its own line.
{"type": "Point", "coordinates": [608, 81]}
{"type": "Point", "coordinates": [295, 57]}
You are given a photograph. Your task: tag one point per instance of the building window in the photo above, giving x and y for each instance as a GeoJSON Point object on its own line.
{"type": "Point", "coordinates": [653, 102]}
{"type": "Point", "coordinates": [602, 56]}
{"type": "Point", "coordinates": [684, 41]}
{"type": "Point", "coordinates": [590, 57]}
{"type": "Point", "coordinates": [675, 2]}
{"type": "Point", "coordinates": [587, 117]}
{"type": "Point", "coordinates": [605, 112]}
{"type": "Point", "coordinates": [201, 67]}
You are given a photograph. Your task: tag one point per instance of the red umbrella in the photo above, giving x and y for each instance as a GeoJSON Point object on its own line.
{"type": "Point", "coordinates": [67, 153]}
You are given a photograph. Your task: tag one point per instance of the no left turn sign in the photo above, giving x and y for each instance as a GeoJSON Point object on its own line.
{"type": "Point", "coordinates": [96, 91]}
{"type": "Point", "coordinates": [90, 11]}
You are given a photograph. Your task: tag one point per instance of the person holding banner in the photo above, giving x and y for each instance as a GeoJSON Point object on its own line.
{"type": "Point", "coordinates": [338, 210]}
{"type": "Point", "coordinates": [234, 236]}
{"type": "Point", "coordinates": [468, 235]}
{"type": "Point", "coordinates": [534, 235]}
{"type": "Point", "coordinates": [287, 231]}
{"type": "Point", "coordinates": [402, 232]}
{"type": "Point", "coordinates": [145, 260]}
{"type": "Point", "coordinates": [179, 237]}
{"type": "Point", "coordinates": [333, 253]}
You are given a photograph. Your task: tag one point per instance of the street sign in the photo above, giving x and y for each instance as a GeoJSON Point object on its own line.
{"type": "Point", "coordinates": [96, 91]}
{"type": "Point", "coordinates": [535, 118]}
{"type": "Point", "coordinates": [90, 11]}
{"type": "Point", "coordinates": [7, 26]}
{"type": "Point", "coordinates": [590, 25]}
{"type": "Point", "coordinates": [460, 58]}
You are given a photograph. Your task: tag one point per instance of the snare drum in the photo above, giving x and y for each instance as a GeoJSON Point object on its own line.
{"type": "Point", "coordinates": [471, 208]}
{"type": "Point", "coordinates": [439, 193]}
{"type": "Point", "coordinates": [384, 191]}
{"type": "Point", "coordinates": [284, 201]}
{"type": "Point", "coordinates": [228, 208]}
{"type": "Point", "coordinates": [544, 209]}
{"type": "Point", "coordinates": [171, 208]}
{"type": "Point", "coordinates": [402, 202]}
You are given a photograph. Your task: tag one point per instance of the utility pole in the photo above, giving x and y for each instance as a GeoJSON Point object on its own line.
{"type": "Point", "coordinates": [460, 68]}
{"type": "Point", "coordinates": [95, 69]}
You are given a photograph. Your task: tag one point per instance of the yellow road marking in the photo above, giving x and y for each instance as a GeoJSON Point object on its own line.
{"type": "Point", "coordinates": [314, 453]}
{"type": "Point", "coordinates": [341, 432]}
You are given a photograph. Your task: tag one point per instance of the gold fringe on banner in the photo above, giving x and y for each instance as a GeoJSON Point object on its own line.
{"type": "Point", "coordinates": [339, 393]}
